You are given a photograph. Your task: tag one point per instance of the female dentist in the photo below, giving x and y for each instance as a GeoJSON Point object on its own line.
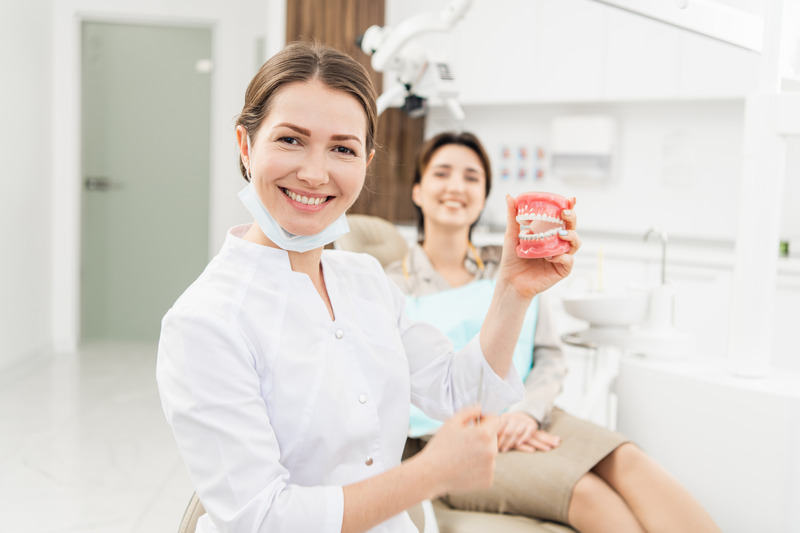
{"type": "Point", "coordinates": [285, 371]}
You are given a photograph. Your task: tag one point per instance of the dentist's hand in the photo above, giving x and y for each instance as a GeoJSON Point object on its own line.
{"type": "Point", "coordinates": [463, 452]}
{"type": "Point", "coordinates": [533, 276]}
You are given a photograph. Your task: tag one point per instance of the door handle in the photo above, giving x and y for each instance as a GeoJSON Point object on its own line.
{"type": "Point", "coordinates": [99, 183]}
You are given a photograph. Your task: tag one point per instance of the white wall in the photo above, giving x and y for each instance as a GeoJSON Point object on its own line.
{"type": "Point", "coordinates": [678, 164]}
{"type": "Point", "coordinates": [237, 28]}
{"type": "Point", "coordinates": [25, 163]}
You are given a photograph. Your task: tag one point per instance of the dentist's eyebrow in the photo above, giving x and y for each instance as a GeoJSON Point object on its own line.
{"type": "Point", "coordinates": [298, 129]}
{"type": "Point", "coordinates": [346, 137]}
{"type": "Point", "coordinates": [307, 133]}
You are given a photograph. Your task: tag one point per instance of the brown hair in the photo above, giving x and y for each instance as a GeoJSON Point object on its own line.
{"type": "Point", "coordinates": [425, 155]}
{"type": "Point", "coordinates": [306, 61]}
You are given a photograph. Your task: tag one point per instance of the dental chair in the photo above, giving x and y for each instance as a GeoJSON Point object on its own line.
{"type": "Point", "coordinates": [375, 236]}
{"type": "Point", "coordinates": [422, 516]}
{"type": "Point", "coordinates": [429, 518]}
{"type": "Point", "coordinates": [193, 511]}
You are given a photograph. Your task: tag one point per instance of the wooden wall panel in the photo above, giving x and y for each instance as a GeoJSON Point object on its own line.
{"type": "Point", "coordinates": [387, 192]}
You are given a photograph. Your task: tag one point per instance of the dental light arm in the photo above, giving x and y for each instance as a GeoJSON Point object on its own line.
{"type": "Point", "coordinates": [418, 75]}
{"type": "Point", "coordinates": [385, 44]}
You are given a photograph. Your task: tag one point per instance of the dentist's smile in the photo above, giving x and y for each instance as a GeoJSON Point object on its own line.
{"type": "Point", "coordinates": [307, 202]}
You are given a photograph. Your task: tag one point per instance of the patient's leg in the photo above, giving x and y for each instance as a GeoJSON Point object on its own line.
{"type": "Point", "coordinates": [659, 502]}
{"type": "Point", "coordinates": [597, 508]}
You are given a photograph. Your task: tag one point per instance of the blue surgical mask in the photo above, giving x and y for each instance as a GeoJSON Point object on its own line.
{"type": "Point", "coordinates": [276, 233]}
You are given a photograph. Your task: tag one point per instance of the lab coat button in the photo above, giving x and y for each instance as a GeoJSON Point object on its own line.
{"type": "Point", "coordinates": [339, 334]}
{"type": "Point", "coordinates": [368, 462]}
{"type": "Point", "coordinates": [362, 399]}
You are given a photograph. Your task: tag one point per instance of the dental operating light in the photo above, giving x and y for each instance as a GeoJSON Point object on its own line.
{"type": "Point", "coordinates": [418, 74]}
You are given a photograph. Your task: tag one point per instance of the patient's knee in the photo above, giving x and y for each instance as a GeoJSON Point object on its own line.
{"type": "Point", "coordinates": [587, 493]}
{"type": "Point", "coordinates": [625, 458]}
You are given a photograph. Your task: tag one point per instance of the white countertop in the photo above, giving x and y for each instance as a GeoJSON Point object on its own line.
{"type": "Point", "coordinates": [699, 253]}
{"type": "Point", "coordinates": [779, 382]}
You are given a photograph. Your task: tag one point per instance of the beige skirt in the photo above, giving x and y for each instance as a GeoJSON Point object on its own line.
{"type": "Point", "coordinates": [539, 484]}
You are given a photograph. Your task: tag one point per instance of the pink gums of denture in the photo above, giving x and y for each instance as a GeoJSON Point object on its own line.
{"type": "Point", "coordinates": [539, 217]}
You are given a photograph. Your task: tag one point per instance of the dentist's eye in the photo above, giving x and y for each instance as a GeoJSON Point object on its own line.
{"type": "Point", "coordinates": [344, 150]}
{"type": "Point", "coordinates": [288, 140]}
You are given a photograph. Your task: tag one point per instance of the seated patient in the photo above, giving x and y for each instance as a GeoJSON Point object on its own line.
{"type": "Point", "coordinates": [553, 466]}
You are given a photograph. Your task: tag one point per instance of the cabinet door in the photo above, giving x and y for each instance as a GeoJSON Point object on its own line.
{"type": "Point", "coordinates": [642, 57]}
{"type": "Point", "coordinates": [495, 50]}
{"type": "Point", "coordinates": [572, 37]}
{"type": "Point", "coordinates": [521, 51]}
{"type": "Point", "coordinates": [530, 51]}
{"type": "Point", "coordinates": [712, 68]}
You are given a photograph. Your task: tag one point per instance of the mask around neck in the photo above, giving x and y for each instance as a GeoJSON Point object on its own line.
{"type": "Point", "coordinates": [281, 237]}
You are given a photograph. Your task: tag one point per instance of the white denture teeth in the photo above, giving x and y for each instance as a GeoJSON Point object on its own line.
{"type": "Point", "coordinates": [525, 215]}
{"type": "Point", "coordinates": [538, 236]}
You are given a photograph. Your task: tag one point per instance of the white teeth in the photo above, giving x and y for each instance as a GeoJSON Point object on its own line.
{"type": "Point", "coordinates": [304, 199]}
{"type": "Point", "coordinates": [537, 236]}
{"type": "Point", "coordinates": [453, 203]}
{"type": "Point", "coordinates": [526, 216]}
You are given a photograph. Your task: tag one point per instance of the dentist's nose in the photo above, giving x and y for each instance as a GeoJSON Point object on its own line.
{"type": "Point", "coordinates": [313, 170]}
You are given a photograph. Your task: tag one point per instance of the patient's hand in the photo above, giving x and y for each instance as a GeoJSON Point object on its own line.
{"type": "Point", "coordinates": [520, 431]}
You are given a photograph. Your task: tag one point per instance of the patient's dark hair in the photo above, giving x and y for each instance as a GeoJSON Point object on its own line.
{"type": "Point", "coordinates": [430, 147]}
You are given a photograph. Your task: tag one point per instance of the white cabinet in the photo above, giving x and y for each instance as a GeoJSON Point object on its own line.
{"type": "Point", "coordinates": [641, 57]}
{"type": "Point", "coordinates": [530, 51]}
{"type": "Point", "coordinates": [571, 62]}
{"type": "Point", "coordinates": [714, 69]}
{"type": "Point", "coordinates": [494, 52]}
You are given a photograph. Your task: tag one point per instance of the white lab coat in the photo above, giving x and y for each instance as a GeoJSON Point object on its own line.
{"type": "Point", "coordinates": [275, 407]}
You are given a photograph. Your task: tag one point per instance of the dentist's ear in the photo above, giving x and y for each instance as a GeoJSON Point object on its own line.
{"type": "Point", "coordinates": [370, 156]}
{"type": "Point", "coordinates": [243, 140]}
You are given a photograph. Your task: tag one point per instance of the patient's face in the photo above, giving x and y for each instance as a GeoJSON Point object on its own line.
{"type": "Point", "coordinates": [452, 190]}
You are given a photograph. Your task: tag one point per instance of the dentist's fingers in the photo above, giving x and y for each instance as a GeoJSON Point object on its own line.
{"type": "Point", "coordinates": [569, 217]}
{"type": "Point", "coordinates": [572, 237]}
{"type": "Point", "coordinates": [512, 226]}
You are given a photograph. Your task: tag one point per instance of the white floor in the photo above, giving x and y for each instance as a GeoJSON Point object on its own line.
{"type": "Point", "coordinates": [85, 448]}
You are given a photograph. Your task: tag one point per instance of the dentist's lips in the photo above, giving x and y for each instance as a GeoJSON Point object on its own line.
{"type": "Point", "coordinates": [539, 217]}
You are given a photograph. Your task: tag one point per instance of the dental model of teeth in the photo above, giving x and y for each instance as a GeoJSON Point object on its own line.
{"type": "Point", "coordinates": [539, 218]}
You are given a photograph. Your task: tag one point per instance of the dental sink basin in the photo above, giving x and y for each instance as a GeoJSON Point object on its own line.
{"type": "Point", "coordinates": [623, 319]}
{"type": "Point", "coordinates": [614, 309]}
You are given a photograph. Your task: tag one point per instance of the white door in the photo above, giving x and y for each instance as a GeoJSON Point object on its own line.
{"type": "Point", "coordinates": [145, 165]}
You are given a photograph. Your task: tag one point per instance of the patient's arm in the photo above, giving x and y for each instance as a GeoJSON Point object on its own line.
{"type": "Point", "coordinates": [545, 382]}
